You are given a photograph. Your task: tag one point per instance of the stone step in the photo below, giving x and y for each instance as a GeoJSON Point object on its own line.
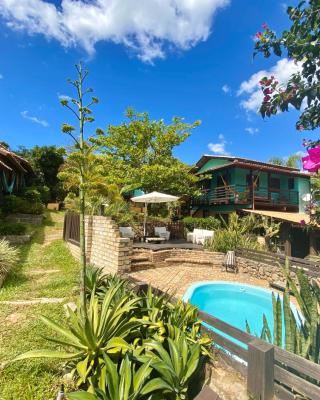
{"type": "Point", "coordinates": [187, 260]}
{"type": "Point", "coordinates": [138, 266]}
{"type": "Point", "coordinates": [139, 258]}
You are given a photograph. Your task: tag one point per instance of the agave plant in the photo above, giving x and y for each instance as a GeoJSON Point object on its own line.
{"type": "Point", "coordinates": [104, 331]}
{"type": "Point", "coordinates": [125, 382]}
{"type": "Point", "coordinates": [175, 366]}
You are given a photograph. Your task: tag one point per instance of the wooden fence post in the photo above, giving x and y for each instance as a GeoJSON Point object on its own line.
{"type": "Point", "coordinates": [260, 379]}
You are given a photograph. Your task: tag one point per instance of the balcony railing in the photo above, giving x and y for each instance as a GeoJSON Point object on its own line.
{"type": "Point", "coordinates": [243, 194]}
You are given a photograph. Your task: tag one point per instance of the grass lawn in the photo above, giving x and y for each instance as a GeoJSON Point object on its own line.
{"type": "Point", "coordinates": [46, 269]}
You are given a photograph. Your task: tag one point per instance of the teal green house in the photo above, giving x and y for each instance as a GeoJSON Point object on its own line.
{"type": "Point", "coordinates": [235, 183]}
{"type": "Point", "coordinates": [238, 184]}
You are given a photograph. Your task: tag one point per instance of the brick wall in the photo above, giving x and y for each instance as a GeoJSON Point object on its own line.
{"type": "Point", "coordinates": [105, 248]}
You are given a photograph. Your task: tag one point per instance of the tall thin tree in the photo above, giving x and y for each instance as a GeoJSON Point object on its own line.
{"type": "Point", "coordinates": [83, 114]}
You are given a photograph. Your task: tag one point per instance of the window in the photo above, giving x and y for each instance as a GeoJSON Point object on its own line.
{"type": "Point", "coordinates": [275, 183]}
{"type": "Point", "coordinates": [290, 183]}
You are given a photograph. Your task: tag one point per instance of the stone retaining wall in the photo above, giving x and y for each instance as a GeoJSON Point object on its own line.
{"type": "Point", "coordinates": [247, 266]}
{"type": "Point", "coordinates": [16, 239]}
{"type": "Point", "coordinates": [104, 246]}
{"type": "Point", "coordinates": [260, 270]}
{"type": "Point", "coordinates": [191, 255]}
{"type": "Point", "coordinates": [25, 218]}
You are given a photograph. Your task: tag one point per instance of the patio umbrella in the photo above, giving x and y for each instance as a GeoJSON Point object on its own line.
{"type": "Point", "coordinates": [153, 197]}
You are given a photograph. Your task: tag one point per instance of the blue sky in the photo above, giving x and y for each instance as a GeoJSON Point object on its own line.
{"type": "Point", "coordinates": [195, 63]}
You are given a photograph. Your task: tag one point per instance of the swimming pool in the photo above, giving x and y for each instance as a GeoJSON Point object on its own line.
{"type": "Point", "coordinates": [234, 303]}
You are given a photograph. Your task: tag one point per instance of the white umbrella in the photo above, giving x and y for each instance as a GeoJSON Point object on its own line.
{"type": "Point", "coordinates": [153, 197]}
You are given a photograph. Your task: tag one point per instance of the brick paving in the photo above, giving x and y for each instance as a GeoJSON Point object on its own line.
{"type": "Point", "coordinates": [177, 278]}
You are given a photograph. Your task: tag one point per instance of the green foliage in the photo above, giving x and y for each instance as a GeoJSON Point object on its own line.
{"type": "Point", "coordinates": [128, 346]}
{"type": "Point", "coordinates": [10, 228]}
{"type": "Point", "coordinates": [14, 204]}
{"type": "Point", "coordinates": [139, 153]}
{"type": "Point", "coordinates": [301, 333]}
{"type": "Point", "coordinates": [210, 223]}
{"type": "Point", "coordinates": [237, 232]}
{"type": "Point", "coordinates": [301, 44]}
{"type": "Point", "coordinates": [46, 162]}
{"type": "Point", "coordinates": [225, 240]}
{"type": "Point", "coordinates": [8, 257]}
{"type": "Point", "coordinates": [292, 161]}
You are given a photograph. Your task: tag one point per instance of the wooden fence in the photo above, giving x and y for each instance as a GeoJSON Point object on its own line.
{"type": "Point", "coordinates": [311, 268]}
{"type": "Point", "coordinates": [270, 370]}
{"type": "Point", "coordinates": [71, 228]}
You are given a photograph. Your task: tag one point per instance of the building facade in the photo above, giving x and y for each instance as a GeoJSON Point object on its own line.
{"type": "Point", "coordinates": [233, 183]}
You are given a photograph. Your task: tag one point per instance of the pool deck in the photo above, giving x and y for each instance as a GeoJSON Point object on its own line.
{"type": "Point", "coordinates": [178, 278]}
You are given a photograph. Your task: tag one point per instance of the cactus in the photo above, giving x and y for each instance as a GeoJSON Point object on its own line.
{"type": "Point", "coordinates": [301, 334]}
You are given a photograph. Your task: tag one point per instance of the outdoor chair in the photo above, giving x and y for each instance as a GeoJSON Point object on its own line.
{"type": "Point", "coordinates": [230, 261]}
{"type": "Point", "coordinates": [127, 232]}
{"type": "Point", "coordinates": [161, 231]}
{"type": "Point", "coordinates": [199, 236]}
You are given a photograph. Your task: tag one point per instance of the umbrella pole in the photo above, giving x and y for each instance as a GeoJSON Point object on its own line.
{"type": "Point", "coordinates": [145, 219]}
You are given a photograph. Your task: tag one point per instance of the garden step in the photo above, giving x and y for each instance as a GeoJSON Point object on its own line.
{"type": "Point", "coordinates": [187, 260]}
{"type": "Point", "coordinates": [142, 265]}
{"type": "Point", "coordinates": [140, 258]}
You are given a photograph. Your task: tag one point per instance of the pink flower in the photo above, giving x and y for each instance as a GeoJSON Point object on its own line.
{"type": "Point", "coordinates": [311, 162]}
{"type": "Point", "coordinates": [302, 222]}
{"type": "Point", "coordinates": [265, 25]}
{"type": "Point", "coordinates": [266, 98]}
{"type": "Point", "coordinates": [300, 127]}
{"type": "Point", "coordinates": [258, 35]}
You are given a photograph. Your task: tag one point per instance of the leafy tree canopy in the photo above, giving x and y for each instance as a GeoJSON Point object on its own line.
{"type": "Point", "coordinates": [292, 161]}
{"type": "Point", "coordinates": [139, 154]}
{"type": "Point", "coordinates": [300, 43]}
{"type": "Point", "coordinates": [46, 162]}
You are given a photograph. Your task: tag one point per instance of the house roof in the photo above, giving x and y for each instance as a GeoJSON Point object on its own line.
{"type": "Point", "coordinates": [12, 162]}
{"type": "Point", "coordinates": [247, 163]}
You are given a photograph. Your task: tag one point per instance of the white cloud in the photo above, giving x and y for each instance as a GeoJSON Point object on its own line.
{"type": "Point", "coordinates": [225, 88]}
{"type": "Point", "coordinates": [251, 130]}
{"type": "Point", "coordinates": [25, 115]}
{"type": "Point", "coordinates": [64, 97]}
{"type": "Point", "coordinates": [220, 147]}
{"type": "Point", "coordinates": [146, 26]}
{"type": "Point", "coordinates": [251, 90]}
{"type": "Point", "coordinates": [1, 76]}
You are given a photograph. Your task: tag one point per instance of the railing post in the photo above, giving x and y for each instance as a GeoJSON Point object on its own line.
{"type": "Point", "coordinates": [260, 379]}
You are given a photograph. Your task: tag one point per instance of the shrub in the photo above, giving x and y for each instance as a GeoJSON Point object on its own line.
{"type": "Point", "coordinates": [145, 342]}
{"type": "Point", "coordinates": [8, 257]}
{"type": "Point", "coordinates": [14, 204]}
{"type": "Point", "coordinates": [225, 240]}
{"type": "Point", "coordinates": [210, 223]}
{"type": "Point", "coordinates": [8, 228]}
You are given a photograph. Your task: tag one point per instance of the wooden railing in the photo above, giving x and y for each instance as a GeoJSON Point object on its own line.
{"type": "Point", "coordinates": [242, 194]}
{"type": "Point", "coordinates": [270, 371]}
{"type": "Point", "coordinates": [311, 268]}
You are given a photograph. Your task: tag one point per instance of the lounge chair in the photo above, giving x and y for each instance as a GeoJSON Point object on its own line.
{"type": "Point", "coordinates": [230, 261]}
{"type": "Point", "coordinates": [126, 231]}
{"type": "Point", "coordinates": [161, 231]}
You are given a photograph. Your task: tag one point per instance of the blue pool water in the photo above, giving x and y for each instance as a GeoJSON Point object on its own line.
{"type": "Point", "coordinates": [234, 303]}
